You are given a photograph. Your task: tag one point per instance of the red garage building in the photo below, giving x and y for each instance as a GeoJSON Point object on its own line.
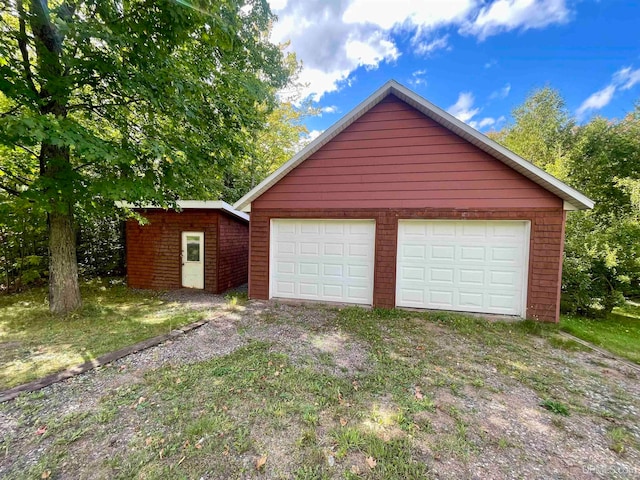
{"type": "Point", "coordinates": [401, 204]}
{"type": "Point", "coordinates": [205, 245]}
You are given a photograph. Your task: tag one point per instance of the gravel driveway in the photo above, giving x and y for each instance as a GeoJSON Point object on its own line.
{"type": "Point", "coordinates": [485, 422]}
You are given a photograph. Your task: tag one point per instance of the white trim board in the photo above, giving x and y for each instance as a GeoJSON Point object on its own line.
{"type": "Point", "coordinates": [191, 204]}
{"type": "Point", "coordinates": [571, 197]}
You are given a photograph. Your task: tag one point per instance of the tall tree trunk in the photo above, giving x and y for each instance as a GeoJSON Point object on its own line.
{"type": "Point", "coordinates": [64, 293]}
{"type": "Point", "coordinates": [55, 163]}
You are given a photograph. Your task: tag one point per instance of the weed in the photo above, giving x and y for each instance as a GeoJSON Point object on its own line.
{"type": "Point", "coordinates": [555, 406]}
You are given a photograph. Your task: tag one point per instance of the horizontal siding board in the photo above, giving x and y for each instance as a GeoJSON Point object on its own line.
{"type": "Point", "coordinates": [410, 194]}
{"type": "Point", "coordinates": [395, 141]}
{"type": "Point", "coordinates": [406, 183]}
{"type": "Point", "coordinates": [417, 168]}
{"type": "Point", "coordinates": [396, 203]}
{"type": "Point", "coordinates": [408, 132]}
{"type": "Point", "coordinates": [392, 151]}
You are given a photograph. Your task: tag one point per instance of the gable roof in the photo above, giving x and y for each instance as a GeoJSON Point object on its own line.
{"type": "Point", "coordinates": [573, 200]}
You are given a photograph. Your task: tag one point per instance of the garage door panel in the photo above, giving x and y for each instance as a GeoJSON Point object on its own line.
{"type": "Point", "coordinates": [332, 260]}
{"type": "Point", "coordinates": [306, 248]}
{"type": "Point", "coordinates": [414, 251]}
{"type": "Point", "coordinates": [468, 277]}
{"type": "Point", "coordinates": [480, 267]}
{"type": "Point", "coordinates": [441, 275]}
{"type": "Point", "coordinates": [308, 269]}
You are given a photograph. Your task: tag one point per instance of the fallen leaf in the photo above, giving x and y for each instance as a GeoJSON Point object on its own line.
{"type": "Point", "coordinates": [186, 444]}
{"type": "Point", "coordinates": [270, 363]}
{"type": "Point", "coordinates": [418, 394]}
{"type": "Point", "coordinates": [41, 430]}
{"type": "Point", "coordinates": [343, 422]}
{"type": "Point", "coordinates": [355, 385]}
{"type": "Point", "coordinates": [225, 452]}
{"type": "Point", "coordinates": [178, 380]}
{"type": "Point", "coordinates": [355, 469]}
{"type": "Point", "coordinates": [260, 462]}
{"type": "Point", "coordinates": [148, 441]}
{"type": "Point", "coordinates": [46, 474]}
{"type": "Point", "coordinates": [420, 347]}
{"type": "Point", "coordinates": [276, 373]}
{"type": "Point", "coordinates": [198, 446]}
{"type": "Point", "coordinates": [161, 453]}
{"type": "Point", "coordinates": [371, 462]}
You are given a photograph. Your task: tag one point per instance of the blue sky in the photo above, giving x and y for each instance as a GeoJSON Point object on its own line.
{"type": "Point", "coordinates": [476, 58]}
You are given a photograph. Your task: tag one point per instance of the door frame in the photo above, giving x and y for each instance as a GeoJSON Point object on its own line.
{"type": "Point", "coordinates": [183, 260]}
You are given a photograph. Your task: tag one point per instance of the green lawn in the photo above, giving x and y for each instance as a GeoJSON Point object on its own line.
{"type": "Point", "coordinates": [316, 393]}
{"type": "Point", "coordinates": [34, 343]}
{"type": "Point", "coordinates": [619, 332]}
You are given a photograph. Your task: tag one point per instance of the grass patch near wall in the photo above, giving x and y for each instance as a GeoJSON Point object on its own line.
{"type": "Point", "coordinates": [618, 332]}
{"type": "Point", "coordinates": [35, 343]}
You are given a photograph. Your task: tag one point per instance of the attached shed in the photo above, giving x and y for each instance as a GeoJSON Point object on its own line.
{"type": "Point", "coordinates": [204, 245]}
{"type": "Point", "coordinates": [401, 204]}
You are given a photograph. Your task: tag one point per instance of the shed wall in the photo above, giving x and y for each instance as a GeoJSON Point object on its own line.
{"type": "Point", "coordinates": [154, 249]}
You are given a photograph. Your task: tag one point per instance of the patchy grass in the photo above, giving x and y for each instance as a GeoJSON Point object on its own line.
{"type": "Point", "coordinates": [619, 332]}
{"type": "Point", "coordinates": [555, 406]}
{"type": "Point", "coordinates": [35, 343]}
{"type": "Point", "coordinates": [441, 396]}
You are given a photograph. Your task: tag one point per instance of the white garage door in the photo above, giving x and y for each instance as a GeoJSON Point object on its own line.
{"type": "Point", "coordinates": [329, 260]}
{"type": "Point", "coordinates": [469, 266]}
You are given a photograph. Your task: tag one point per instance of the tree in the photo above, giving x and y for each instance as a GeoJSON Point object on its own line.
{"type": "Point", "coordinates": [542, 130]}
{"type": "Point", "coordinates": [602, 160]}
{"type": "Point", "coordinates": [602, 254]}
{"type": "Point", "coordinates": [142, 100]}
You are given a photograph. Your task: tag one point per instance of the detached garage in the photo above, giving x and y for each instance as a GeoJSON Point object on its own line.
{"type": "Point", "coordinates": [401, 204]}
{"type": "Point", "coordinates": [203, 246]}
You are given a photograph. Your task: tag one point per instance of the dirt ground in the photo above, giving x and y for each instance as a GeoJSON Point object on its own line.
{"type": "Point", "coordinates": [416, 397]}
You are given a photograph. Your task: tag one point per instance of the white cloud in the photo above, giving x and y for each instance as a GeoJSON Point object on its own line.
{"type": "Point", "coordinates": [429, 46]}
{"type": "Point", "coordinates": [506, 15]}
{"type": "Point", "coordinates": [417, 78]}
{"type": "Point", "coordinates": [277, 4]}
{"type": "Point", "coordinates": [597, 100]}
{"type": "Point", "coordinates": [313, 134]}
{"type": "Point", "coordinates": [329, 109]}
{"type": "Point", "coordinates": [623, 79]}
{"type": "Point", "coordinates": [626, 78]}
{"type": "Point", "coordinates": [501, 93]}
{"type": "Point", "coordinates": [491, 63]}
{"type": "Point", "coordinates": [387, 14]}
{"type": "Point", "coordinates": [463, 109]}
{"type": "Point", "coordinates": [335, 37]}
{"type": "Point", "coordinates": [487, 122]}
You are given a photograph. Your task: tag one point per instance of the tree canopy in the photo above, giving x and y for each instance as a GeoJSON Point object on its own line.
{"type": "Point", "coordinates": [601, 159]}
{"type": "Point", "coordinates": [143, 100]}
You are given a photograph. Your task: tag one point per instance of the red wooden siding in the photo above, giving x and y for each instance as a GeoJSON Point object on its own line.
{"type": "Point", "coordinates": [233, 253]}
{"type": "Point", "coordinates": [395, 157]}
{"type": "Point", "coordinates": [154, 250]}
{"type": "Point", "coordinates": [545, 252]}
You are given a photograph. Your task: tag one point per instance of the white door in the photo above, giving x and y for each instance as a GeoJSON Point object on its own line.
{"type": "Point", "coordinates": [468, 265]}
{"type": "Point", "coordinates": [193, 259]}
{"type": "Point", "coordinates": [327, 260]}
